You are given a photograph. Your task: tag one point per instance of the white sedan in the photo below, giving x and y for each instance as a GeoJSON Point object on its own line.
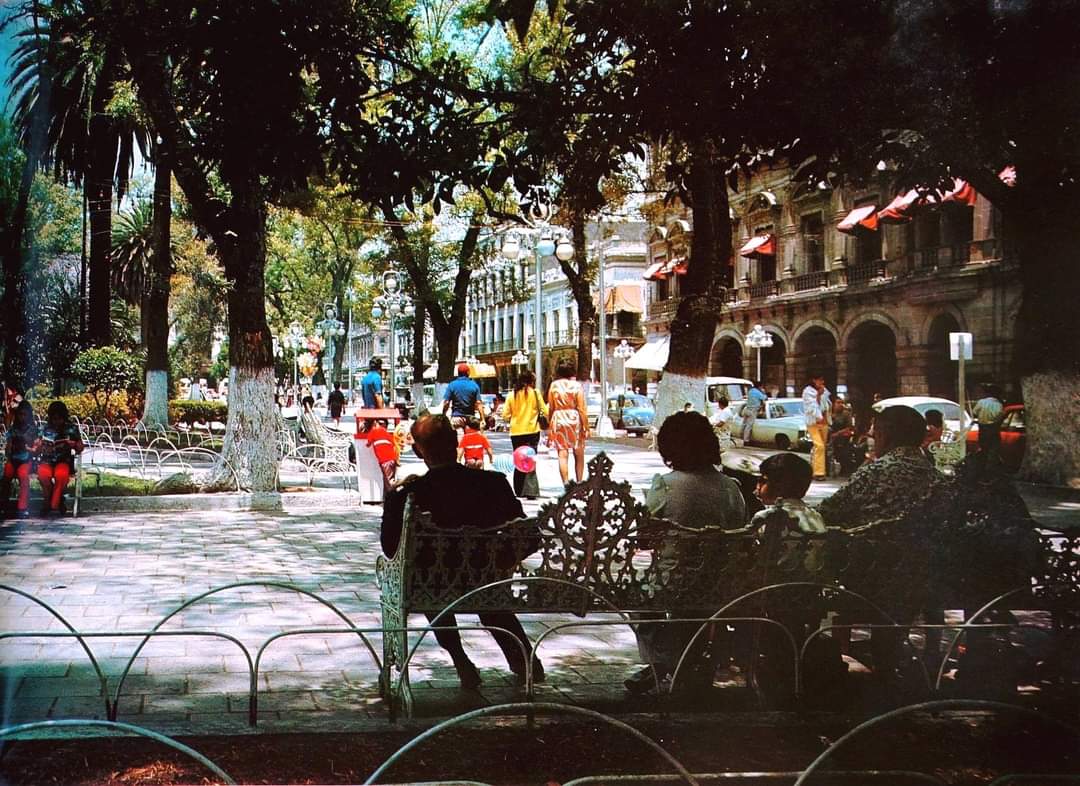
{"type": "Point", "coordinates": [780, 424]}
{"type": "Point", "coordinates": [950, 410]}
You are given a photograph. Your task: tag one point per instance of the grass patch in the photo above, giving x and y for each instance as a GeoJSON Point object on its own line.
{"type": "Point", "coordinates": [110, 484]}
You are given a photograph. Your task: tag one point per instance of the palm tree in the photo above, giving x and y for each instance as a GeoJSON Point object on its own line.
{"type": "Point", "coordinates": [62, 70]}
{"type": "Point", "coordinates": [142, 266]}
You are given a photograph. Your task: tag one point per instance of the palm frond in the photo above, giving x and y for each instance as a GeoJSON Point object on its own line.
{"type": "Point", "coordinates": [132, 247]}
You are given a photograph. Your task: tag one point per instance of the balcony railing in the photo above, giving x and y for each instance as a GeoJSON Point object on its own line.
{"type": "Point", "coordinates": [558, 338]}
{"type": "Point", "coordinates": [764, 289]}
{"type": "Point", "coordinates": [864, 272]}
{"type": "Point", "coordinates": [808, 281]}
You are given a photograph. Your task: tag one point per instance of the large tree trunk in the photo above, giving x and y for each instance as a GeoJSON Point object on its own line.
{"type": "Point", "coordinates": [694, 325]}
{"type": "Point", "coordinates": [155, 312]}
{"type": "Point", "coordinates": [1047, 240]}
{"type": "Point", "coordinates": [250, 443]}
{"type": "Point", "coordinates": [579, 277]}
{"type": "Point", "coordinates": [103, 142]}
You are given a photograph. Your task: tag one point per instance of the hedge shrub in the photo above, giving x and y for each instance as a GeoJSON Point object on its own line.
{"type": "Point", "coordinates": [82, 406]}
{"type": "Point", "coordinates": [191, 412]}
{"type": "Point", "coordinates": [106, 371]}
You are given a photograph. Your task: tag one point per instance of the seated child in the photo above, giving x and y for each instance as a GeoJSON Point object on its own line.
{"type": "Point", "coordinates": [474, 445]}
{"type": "Point", "coordinates": [60, 441]}
{"type": "Point", "coordinates": [385, 450]}
{"type": "Point", "coordinates": [22, 441]}
{"type": "Point", "coordinates": [785, 479]}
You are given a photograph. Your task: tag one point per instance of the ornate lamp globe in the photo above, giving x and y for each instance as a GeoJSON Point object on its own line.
{"type": "Point", "coordinates": [511, 247]}
{"type": "Point", "coordinates": [377, 312]}
{"type": "Point", "coordinates": [564, 249]}
{"type": "Point", "coordinates": [545, 246]}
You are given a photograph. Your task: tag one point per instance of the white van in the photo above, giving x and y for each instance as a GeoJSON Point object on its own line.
{"type": "Point", "coordinates": [734, 389]}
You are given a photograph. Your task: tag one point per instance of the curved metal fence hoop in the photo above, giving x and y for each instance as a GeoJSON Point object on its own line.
{"type": "Point", "coordinates": [967, 625]}
{"type": "Point", "coordinates": [236, 585]}
{"type": "Point", "coordinates": [126, 727]}
{"type": "Point", "coordinates": [78, 637]}
{"type": "Point", "coordinates": [1038, 777]}
{"type": "Point", "coordinates": [707, 777]}
{"type": "Point", "coordinates": [112, 711]}
{"type": "Point", "coordinates": [931, 706]}
{"type": "Point", "coordinates": [528, 707]}
{"type": "Point", "coordinates": [521, 580]}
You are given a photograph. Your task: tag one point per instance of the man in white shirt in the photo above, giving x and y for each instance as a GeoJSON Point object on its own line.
{"type": "Point", "coordinates": [817, 409]}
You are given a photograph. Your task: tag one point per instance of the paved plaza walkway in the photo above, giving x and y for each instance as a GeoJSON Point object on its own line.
{"type": "Point", "coordinates": [126, 571]}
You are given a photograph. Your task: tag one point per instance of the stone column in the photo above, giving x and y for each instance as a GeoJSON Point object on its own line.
{"type": "Point", "coordinates": [912, 365]}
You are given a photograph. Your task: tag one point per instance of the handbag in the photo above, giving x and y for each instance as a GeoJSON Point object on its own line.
{"type": "Point", "coordinates": [541, 418]}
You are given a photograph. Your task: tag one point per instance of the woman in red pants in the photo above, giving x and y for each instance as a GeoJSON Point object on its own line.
{"type": "Point", "coordinates": [22, 440]}
{"type": "Point", "coordinates": [59, 443]}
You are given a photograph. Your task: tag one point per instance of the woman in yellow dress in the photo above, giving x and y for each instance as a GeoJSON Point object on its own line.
{"type": "Point", "coordinates": [569, 424]}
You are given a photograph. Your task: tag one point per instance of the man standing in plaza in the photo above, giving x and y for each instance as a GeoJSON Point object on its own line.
{"type": "Point", "coordinates": [754, 399]}
{"type": "Point", "coordinates": [371, 390]}
{"type": "Point", "coordinates": [458, 497]}
{"type": "Point", "coordinates": [462, 398]}
{"type": "Point", "coordinates": [987, 413]}
{"type": "Point", "coordinates": [336, 402]}
{"type": "Point", "coordinates": [817, 409]}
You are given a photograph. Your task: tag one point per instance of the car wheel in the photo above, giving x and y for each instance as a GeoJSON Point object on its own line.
{"type": "Point", "coordinates": [783, 442]}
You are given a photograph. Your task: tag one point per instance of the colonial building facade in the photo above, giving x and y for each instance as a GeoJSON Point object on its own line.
{"type": "Point", "coordinates": [858, 283]}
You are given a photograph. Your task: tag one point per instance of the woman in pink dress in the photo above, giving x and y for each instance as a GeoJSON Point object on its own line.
{"type": "Point", "coordinates": [569, 425]}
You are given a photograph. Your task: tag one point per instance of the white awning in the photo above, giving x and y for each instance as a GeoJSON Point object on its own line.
{"type": "Point", "coordinates": [432, 371]}
{"type": "Point", "coordinates": [652, 356]}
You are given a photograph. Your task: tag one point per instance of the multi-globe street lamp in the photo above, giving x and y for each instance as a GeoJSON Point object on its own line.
{"type": "Point", "coordinates": [294, 340]}
{"type": "Point", "coordinates": [758, 339]}
{"type": "Point", "coordinates": [543, 241]}
{"type": "Point", "coordinates": [623, 353]}
{"type": "Point", "coordinates": [350, 298]}
{"type": "Point", "coordinates": [392, 303]}
{"type": "Point", "coordinates": [329, 327]}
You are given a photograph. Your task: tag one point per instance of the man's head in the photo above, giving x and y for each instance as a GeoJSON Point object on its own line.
{"type": "Point", "coordinates": [817, 379]}
{"type": "Point", "coordinates": [838, 405]}
{"type": "Point", "coordinates": [934, 418]}
{"type": "Point", "coordinates": [434, 440]}
{"type": "Point", "coordinates": [375, 364]}
{"type": "Point", "coordinates": [337, 386]}
{"type": "Point", "coordinates": [898, 427]}
{"type": "Point", "coordinates": [463, 369]}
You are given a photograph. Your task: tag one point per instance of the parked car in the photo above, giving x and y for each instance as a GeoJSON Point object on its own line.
{"type": "Point", "coordinates": [1013, 437]}
{"type": "Point", "coordinates": [733, 388]}
{"type": "Point", "coordinates": [780, 424]}
{"type": "Point", "coordinates": [950, 410]}
{"type": "Point", "coordinates": [632, 412]}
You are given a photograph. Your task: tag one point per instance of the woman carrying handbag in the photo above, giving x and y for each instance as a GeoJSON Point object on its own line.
{"type": "Point", "coordinates": [527, 415]}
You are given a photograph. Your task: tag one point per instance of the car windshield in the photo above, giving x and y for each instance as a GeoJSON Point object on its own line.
{"type": "Point", "coordinates": [948, 411]}
{"type": "Point", "coordinates": [786, 409]}
{"type": "Point", "coordinates": [639, 402]}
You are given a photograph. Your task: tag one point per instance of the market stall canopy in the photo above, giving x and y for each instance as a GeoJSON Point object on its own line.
{"type": "Point", "coordinates": [652, 356]}
{"type": "Point", "coordinates": [623, 297]}
{"type": "Point", "coordinates": [903, 208]}
{"type": "Point", "coordinates": [762, 245]}
{"type": "Point", "coordinates": [864, 217]}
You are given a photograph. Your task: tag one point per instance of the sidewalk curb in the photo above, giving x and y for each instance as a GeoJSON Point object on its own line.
{"type": "Point", "coordinates": [262, 502]}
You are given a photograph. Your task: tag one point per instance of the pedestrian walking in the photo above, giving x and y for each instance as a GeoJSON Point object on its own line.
{"type": "Point", "coordinates": [336, 402]}
{"type": "Point", "coordinates": [462, 398]}
{"type": "Point", "coordinates": [524, 410]}
{"type": "Point", "coordinates": [371, 388]}
{"type": "Point", "coordinates": [988, 412]}
{"type": "Point", "coordinates": [755, 398]}
{"type": "Point", "coordinates": [721, 423]}
{"type": "Point", "coordinates": [817, 410]}
{"type": "Point", "coordinates": [569, 420]}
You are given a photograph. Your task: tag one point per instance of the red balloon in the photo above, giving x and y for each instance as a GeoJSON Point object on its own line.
{"type": "Point", "coordinates": [525, 459]}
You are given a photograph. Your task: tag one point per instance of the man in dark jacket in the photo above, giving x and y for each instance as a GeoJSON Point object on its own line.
{"type": "Point", "coordinates": [459, 497]}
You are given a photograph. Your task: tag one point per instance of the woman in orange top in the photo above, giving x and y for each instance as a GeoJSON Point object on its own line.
{"type": "Point", "coordinates": [569, 426]}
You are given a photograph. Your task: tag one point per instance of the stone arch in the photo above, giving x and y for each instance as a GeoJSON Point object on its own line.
{"type": "Point", "coordinates": [932, 317]}
{"type": "Point", "coordinates": [726, 357]}
{"type": "Point", "coordinates": [815, 345]}
{"type": "Point", "coordinates": [773, 360]}
{"type": "Point", "coordinates": [870, 316]}
{"type": "Point", "coordinates": [941, 378]}
{"type": "Point", "coordinates": [870, 344]}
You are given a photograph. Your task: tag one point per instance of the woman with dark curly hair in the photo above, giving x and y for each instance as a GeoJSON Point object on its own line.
{"type": "Point", "coordinates": [694, 494]}
{"type": "Point", "coordinates": [60, 441]}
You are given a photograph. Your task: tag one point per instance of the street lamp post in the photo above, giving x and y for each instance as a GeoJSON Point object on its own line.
{"type": "Point", "coordinates": [623, 353]}
{"type": "Point", "coordinates": [330, 327]}
{"type": "Point", "coordinates": [294, 339]}
{"type": "Point", "coordinates": [350, 295]}
{"type": "Point", "coordinates": [758, 339]}
{"type": "Point", "coordinates": [392, 302]}
{"type": "Point", "coordinates": [544, 243]}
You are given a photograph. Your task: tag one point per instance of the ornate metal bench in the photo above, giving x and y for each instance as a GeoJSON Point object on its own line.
{"type": "Point", "coordinates": [597, 549]}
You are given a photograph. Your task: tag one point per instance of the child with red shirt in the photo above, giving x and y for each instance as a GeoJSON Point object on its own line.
{"type": "Point", "coordinates": [382, 443]}
{"type": "Point", "coordinates": [474, 445]}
